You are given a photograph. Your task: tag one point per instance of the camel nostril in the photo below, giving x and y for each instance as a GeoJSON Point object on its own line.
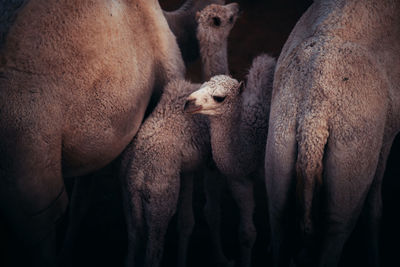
{"type": "Point", "coordinates": [186, 105]}
{"type": "Point", "coordinates": [191, 107]}
{"type": "Point", "coordinates": [189, 103]}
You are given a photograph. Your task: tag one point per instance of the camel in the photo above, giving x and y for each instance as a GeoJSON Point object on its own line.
{"type": "Point", "coordinates": [334, 114]}
{"type": "Point", "coordinates": [215, 22]}
{"type": "Point", "coordinates": [75, 80]}
{"type": "Point", "coordinates": [169, 149]}
{"type": "Point", "coordinates": [238, 130]}
{"type": "Point", "coordinates": [183, 24]}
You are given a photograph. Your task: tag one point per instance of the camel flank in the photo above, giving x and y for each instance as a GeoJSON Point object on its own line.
{"type": "Point", "coordinates": [85, 75]}
{"type": "Point", "coordinates": [75, 81]}
{"type": "Point", "coordinates": [334, 114]}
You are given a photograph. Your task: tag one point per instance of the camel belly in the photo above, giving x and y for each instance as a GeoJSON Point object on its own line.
{"type": "Point", "coordinates": [97, 152]}
{"type": "Point", "coordinates": [99, 72]}
{"type": "Point", "coordinates": [96, 142]}
{"type": "Point", "coordinates": [97, 131]}
{"type": "Point", "coordinates": [104, 116]}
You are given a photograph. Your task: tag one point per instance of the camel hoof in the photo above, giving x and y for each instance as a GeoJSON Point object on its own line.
{"type": "Point", "coordinates": [225, 263]}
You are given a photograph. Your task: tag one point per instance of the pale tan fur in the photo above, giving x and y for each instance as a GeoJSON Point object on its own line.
{"type": "Point", "coordinates": [183, 24]}
{"type": "Point", "coordinates": [75, 81]}
{"type": "Point", "coordinates": [213, 42]}
{"type": "Point", "coordinates": [168, 146]}
{"type": "Point", "coordinates": [238, 129]}
{"type": "Point", "coordinates": [214, 25]}
{"type": "Point", "coordinates": [334, 114]}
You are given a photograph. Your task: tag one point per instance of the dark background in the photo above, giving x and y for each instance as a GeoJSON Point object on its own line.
{"type": "Point", "coordinates": [263, 27]}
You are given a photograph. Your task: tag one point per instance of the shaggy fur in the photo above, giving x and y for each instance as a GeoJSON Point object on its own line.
{"type": "Point", "coordinates": [214, 25]}
{"type": "Point", "coordinates": [169, 149]}
{"type": "Point", "coordinates": [168, 144]}
{"type": "Point", "coordinates": [75, 81]}
{"type": "Point", "coordinates": [239, 123]}
{"type": "Point", "coordinates": [213, 43]}
{"type": "Point", "coordinates": [334, 114]}
{"type": "Point", "coordinates": [183, 24]}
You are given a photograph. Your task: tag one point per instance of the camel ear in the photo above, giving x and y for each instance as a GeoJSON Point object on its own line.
{"type": "Point", "coordinates": [241, 87]}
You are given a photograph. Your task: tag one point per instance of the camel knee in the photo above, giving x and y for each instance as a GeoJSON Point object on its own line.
{"type": "Point", "coordinates": [36, 232]}
{"type": "Point", "coordinates": [247, 235]}
{"type": "Point", "coordinates": [212, 214]}
{"type": "Point", "coordinates": [35, 227]}
{"type": "Point", "coordinates": [186, 225]}
{"type": "Point", "coordinates": [161, 204]}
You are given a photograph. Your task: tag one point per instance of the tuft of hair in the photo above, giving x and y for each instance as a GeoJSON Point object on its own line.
{"type": "Point", "coordinates": [260, 79]}
{"type": "Point", "coordinates": [175, 93]}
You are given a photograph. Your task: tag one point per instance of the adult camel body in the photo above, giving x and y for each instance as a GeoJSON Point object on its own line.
{"type": "Point", "coordinates": [75, 80]}
{"type": "Point", "coordinates": [334, 114]}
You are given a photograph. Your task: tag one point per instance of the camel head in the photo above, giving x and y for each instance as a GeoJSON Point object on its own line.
{"type": "Point", "coordinates": [215, 22]}
{"type": "Point", "coordinates": [215, 97]}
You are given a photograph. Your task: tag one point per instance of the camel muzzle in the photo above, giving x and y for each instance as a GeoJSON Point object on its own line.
{"type": "Point", "coordinates": [191, 107]}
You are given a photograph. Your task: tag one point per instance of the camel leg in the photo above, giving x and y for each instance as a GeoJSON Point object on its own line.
{"type": "Point", "coordinates": [185, 217]}
{"type": "Point", "coordinates": [349, 173]}
{"type": "Point", "coordinates": [32, 194]}
{"type": "Point", "coordinates": [212, 212]}
{"type": "Point", "coordinates": [159, 207]}
{"type": "Point", "coordinates": [372, 212]}
{"type": "Point", "coordinates": [280, 184]}
{"type": "Point", "coordinates": [79, 204]}
{"type": "Point", "coordinates": [133, 209]}
{"type": "Point", "coordinates": [149, 202]}
{"type": "Point", "coordinates": [242, 191]}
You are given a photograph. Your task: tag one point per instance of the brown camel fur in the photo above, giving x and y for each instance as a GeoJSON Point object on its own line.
{"type": "Point", "coordinates": [334, 114]}
{"type": "Point", "coordinates": [75, 81]}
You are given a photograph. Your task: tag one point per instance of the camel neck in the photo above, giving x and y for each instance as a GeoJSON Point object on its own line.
{"type": "Point", "coordinates": [226, 137]}
{"type": "Point", "coordinates": [214, 59]}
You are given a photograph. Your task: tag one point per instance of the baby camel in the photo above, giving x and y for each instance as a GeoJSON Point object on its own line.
{"type": "Point", "coordinates": [239, 125]}
{"type": "Point", "coordinates": [214, 25]}
{"type": "Point", "coordinates": [169, 147]}
{"type": "Point", "coordinates": [169, 144]}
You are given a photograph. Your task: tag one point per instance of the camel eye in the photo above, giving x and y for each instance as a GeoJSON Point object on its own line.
{"type": "Point", "coordinates": [231, 19]}
{"type": "Point", "coordinates": [216, 21]}
{"type": "Point", "coordinates": [219, 99]}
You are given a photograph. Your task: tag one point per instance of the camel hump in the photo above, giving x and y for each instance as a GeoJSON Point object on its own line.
{"type": "Point", "coordinates": [261, 77]}
{"type": "Point", "coordinates": [312, 137]}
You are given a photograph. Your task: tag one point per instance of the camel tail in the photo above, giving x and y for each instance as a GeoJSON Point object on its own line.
{"type": "Point", "coordinates": [312, 138]}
